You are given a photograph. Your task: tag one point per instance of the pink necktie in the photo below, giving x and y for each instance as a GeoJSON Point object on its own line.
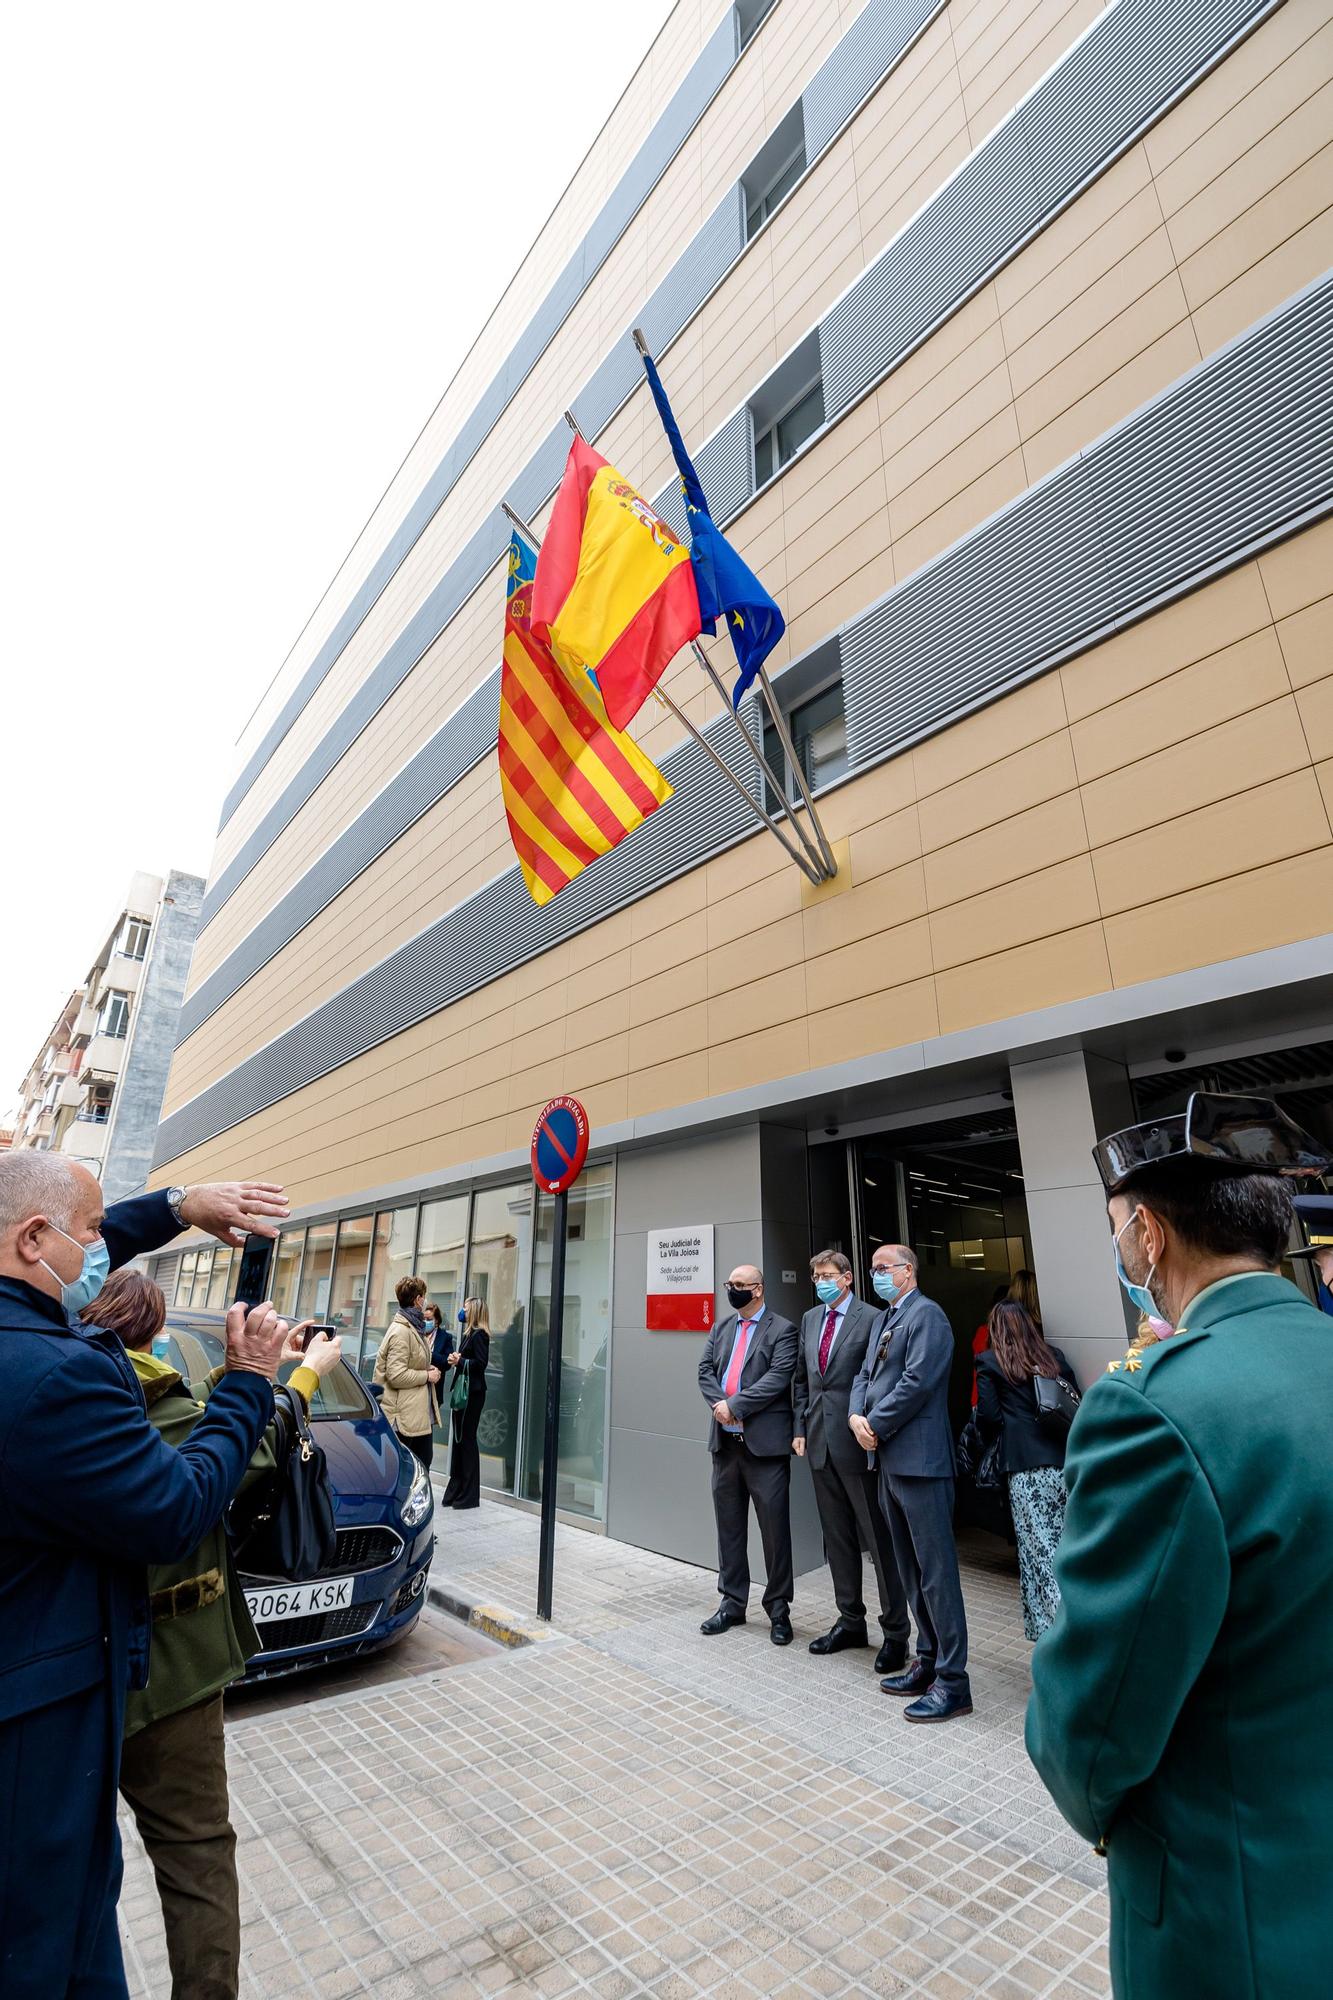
{"type": "Point", "coordinates": [826, 1338]}
{"type": "Point", "coordinates": [733, 1381]}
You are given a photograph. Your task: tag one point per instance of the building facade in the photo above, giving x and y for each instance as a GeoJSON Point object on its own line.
{"type": "Point", "coordinates": [999, 329]}
{"type": "Point", "coordinates": [95, 1089]}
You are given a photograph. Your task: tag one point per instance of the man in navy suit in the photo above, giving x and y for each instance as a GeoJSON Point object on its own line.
{"type": "Point", "coordinates": [89, 1494]}
{"type": "Point", "coordinates": [899, 1414]}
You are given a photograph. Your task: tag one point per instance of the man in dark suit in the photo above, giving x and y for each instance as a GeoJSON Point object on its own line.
{"type": "Point", "coordinates": [833, 1346]}
{"type": "Point", "coordinates": [745, 1376]}
{"type": "Point", "coordinates": [899, 1413]}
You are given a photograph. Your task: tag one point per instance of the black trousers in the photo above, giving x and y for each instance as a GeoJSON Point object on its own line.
{"type": "Point", "coordinates": [851, 1518]}
{"type": "Point", "coordinates": [739, 1479]}
{"type": "Point", "coordinates": [920, 1517]}
{"type": "Point", "coordinates": [422, 1447]}
{"type": "Point", "coordinates": [173, 1775]}
{"type": "Point", "coordinates": [464, 1488]}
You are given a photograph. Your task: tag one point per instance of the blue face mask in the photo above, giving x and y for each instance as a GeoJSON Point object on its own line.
{"type": "Point", "coordinates": [1139, 1295]}
{"type": "Point", "coordinates": [161, 1346]}
{"type": "Point", "coordinates": [886, 1286]}
{"type": "Point", "coordinates": [828, 1291]}
{"type": "Point", "coordinates": [96, 1264]}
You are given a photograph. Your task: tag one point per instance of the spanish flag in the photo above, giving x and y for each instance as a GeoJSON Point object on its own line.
{"type": "Point", "coordinates": [573, 786]}
{"type": "Point", "coordinates": [615, 589]}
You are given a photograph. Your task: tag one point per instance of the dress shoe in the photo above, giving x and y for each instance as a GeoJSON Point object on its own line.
{"type": "Point", "coordinates": [840, 1639]}
{"type": "Point", "coordinates": [939, 1704]}
{"type": "Point", "coordinates": [781, 1634]}
{"type": "Point", "coordinates": [914, 1679]}
{"type": "Point", "coordinates": [721, 1621]}
{"type": "Point", "coordinates": [891, 1657]}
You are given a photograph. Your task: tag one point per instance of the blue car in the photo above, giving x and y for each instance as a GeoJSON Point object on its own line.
{"type": "Point", "coordinates": [373, 1591]}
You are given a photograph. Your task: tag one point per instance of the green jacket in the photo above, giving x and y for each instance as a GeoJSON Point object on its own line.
{"type": "Point", "coordinates": [1179, 1713]}
{"type": "Point", "coordinates": [202, 1632]}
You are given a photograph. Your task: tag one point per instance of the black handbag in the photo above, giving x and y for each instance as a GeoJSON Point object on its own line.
{"type": "Point", "coordinates": [1057, 1404]}
{"type": "Point", "coordinates": [978, 1461]}
{"type": "Point", "coordinates": [291, 1532]}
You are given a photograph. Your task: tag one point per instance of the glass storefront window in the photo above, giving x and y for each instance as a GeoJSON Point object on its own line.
{"type": "Point", "coordinates": [286, 1269]}
{"type": "Point", "coordinates": [313, 1299]}
{"type": "Point", "coordinates": [499, 1265]}
{"type": "Point", "coordinates": [219, 1297]}
{"type": "Point", "coordinates": [391, 1259]}
{"type": "Point", "coordinates": [350, 1268]}
{"type": "Point", "coordinates": [584, 1349]}
{"type": "Point", "coordinates": [185, 1277]}
{"type": "Point", "coordinates": [441, 1251]}
{"type": "Point", "coordinates": [199, 1288]}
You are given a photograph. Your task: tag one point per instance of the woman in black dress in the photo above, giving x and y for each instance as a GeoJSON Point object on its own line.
{"type": "Point", "coordinates": [473, 1352]}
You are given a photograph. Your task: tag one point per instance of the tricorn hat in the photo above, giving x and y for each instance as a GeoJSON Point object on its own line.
{"type": "Point", "coordinates": [1238, 1135]}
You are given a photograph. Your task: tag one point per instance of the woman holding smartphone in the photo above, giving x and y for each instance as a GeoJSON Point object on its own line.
{"type": "Point", "coordinates": [472, 1353]}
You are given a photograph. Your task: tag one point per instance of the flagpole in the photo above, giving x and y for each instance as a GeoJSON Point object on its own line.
{"type": "Point", "coordinates": [820, 852]}
{"type": "Point", "coordinates": [807, 867]}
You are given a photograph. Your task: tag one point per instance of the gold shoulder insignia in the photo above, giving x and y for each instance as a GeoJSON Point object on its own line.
{"type": "Point", "coordinates": [1133, 1362]}
{"type": "Point", "coordinates": [1113, 1367]}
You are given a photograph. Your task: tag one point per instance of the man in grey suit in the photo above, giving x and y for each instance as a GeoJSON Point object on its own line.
{"type": "Point", "coordinates": [833, 1346]}
{"type": "Point", "coordinates": [899, 1413]}
{"type": "Point", "coordinates": [745, 1376]}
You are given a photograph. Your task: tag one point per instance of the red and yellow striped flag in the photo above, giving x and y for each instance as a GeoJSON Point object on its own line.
{"type": "Point", "coordinates": [573, 786]}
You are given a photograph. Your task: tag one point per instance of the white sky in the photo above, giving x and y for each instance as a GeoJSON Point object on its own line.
{"type": "Point", "coordinates": [243, 249]}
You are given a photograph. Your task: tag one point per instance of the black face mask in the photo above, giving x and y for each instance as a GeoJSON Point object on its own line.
{"type": "Point", "coordinates": [739, 1295]}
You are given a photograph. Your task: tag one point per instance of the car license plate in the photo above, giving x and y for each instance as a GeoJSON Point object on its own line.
{"type": "Point", "coordinates": [297, 1600]}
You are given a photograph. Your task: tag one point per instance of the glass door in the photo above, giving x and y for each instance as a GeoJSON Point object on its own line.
{"type": "Point", "coordinates": [585, 1346]}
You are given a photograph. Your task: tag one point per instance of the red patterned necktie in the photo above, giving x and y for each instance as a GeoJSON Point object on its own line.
{"type": "Point", "coordinates": [826, 1338]}
{"type": "Point", "coordinates": [733, 1381]}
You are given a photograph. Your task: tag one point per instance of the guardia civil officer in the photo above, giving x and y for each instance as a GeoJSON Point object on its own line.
{"type": "Point", "coordinates": [89, 1493]}
{"type": "Point", "coordinates": [1179, 1711]}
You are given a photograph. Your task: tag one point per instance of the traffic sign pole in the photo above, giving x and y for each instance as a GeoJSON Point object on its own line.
{"type": "Point", "coordinates": [559, 1148]}
{"type": "Point", "coordinates": [551, 1460]}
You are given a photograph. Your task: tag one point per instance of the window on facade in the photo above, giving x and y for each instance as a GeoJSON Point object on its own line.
{"type": "Point", "coordinates": [818, 729]}
{"type": "Point", "coordinates": [312, 1300]}
{"type": "Point", "coordinates": [185, 1276]}
{"type": "Point", "coordinates": [774, 170]}
{"type": "Point", "coordinates": [134, 937]}
{"type": "Point", "coordinates": [580, 1468]}
{"type": "Point", "coordinates": [96, 1111]}
{"type": "Point", "coordinates": [750, 18]}
{"type": "Point", "coordinates": [114, 1019]}
{"type": "Point", "coordinates": [391, 1259]}
{"type": "Point", "coordinates": [783, 438]}
{"type": "Point", "coordinates": [287, 1270]}
{"type": "Point", "coordinates": [351, 1266]}
{"type": "Point", "coordinates": [203, 1271]}
{"type": "Point", "coordinates": [498, 1270]}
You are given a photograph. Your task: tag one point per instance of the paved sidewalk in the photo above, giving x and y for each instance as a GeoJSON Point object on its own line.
{"type": "Point", "coordinates": [634, 1809]}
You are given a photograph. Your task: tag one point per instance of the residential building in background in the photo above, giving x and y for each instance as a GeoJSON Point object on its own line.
{"type": "Point", "coordinates": [95, 1088]}
{"type": "Point", "coordinates": [1000, 335]}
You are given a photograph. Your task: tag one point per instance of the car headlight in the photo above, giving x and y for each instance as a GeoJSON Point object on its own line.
{"type": "Point", "coordinates": [419, 1499]}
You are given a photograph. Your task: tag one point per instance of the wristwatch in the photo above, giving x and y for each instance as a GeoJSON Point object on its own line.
{"type": "Point", "coordinates": [175, 1201]}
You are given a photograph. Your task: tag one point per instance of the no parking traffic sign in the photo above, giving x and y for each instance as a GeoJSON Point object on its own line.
{"type": "Point", "coordinates": [559, 1145]}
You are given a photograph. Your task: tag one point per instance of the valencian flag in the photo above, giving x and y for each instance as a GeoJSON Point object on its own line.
{"type": "Point", "coordinates": [614, 592]}
{"type": "Point", "coordinates": [728, 588]}
{"type": "Point", "coordinates": [573, 786]}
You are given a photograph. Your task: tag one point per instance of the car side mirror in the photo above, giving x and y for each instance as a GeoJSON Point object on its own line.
{"type": "Point", "coordinates": [377, 1390]}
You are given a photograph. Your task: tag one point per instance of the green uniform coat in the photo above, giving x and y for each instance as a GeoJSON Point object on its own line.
{"type": "Point", "coordinates": [1179, 1712]}
{"type": "Point", "coordinates": [202, 1631]}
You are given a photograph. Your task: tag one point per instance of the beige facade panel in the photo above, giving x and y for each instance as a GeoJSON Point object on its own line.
{"type": "Point", "coordinates": [1213, 846]}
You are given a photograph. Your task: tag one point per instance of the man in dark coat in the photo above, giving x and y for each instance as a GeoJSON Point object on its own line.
{"type": "Point", "coordinates": [834, 1335]}
{"type": "Point", "coordinates": [89, 1493]}
{"type": "Point", "coordinates": [1179, 1705]}
{"type": "Point", "coordinates": [745, 1379]}
{"type": "Point", "coordinates": [899, 1413]}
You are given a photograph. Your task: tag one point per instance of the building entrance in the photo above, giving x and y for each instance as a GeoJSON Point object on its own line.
{"type": "Point", "coordinates": [953, 1191]}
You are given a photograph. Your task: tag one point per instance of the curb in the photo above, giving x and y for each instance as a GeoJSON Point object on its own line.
{"type": "Point", "coordinates": [494, 1621]}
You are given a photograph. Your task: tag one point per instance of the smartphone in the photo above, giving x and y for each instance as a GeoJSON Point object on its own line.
{"type": "Point", "coordinates": [256, 1263]}
{"type": "Point", "coordinates": [324, 1326]}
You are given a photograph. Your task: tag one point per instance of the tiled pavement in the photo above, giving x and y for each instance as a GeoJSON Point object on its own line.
{"type": "Point", "coordinates": [633, 1809]}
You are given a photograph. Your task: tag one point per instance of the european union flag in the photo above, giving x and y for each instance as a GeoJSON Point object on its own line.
{"type": "Point", "coordinates": [728, 588]}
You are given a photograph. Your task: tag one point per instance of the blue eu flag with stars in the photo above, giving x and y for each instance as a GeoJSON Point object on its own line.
{"type": "Point", "coordinates": [728, 588]}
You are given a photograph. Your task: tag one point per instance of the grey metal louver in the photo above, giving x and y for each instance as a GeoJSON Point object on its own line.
{"type": "Point", "coordinates": [725, 465]}
{"type": "Point", "coordinates": [1122, 72]}
{"type": "Point", "coordinates": [873, 43]}
{"type": "Point", "coordinates": [1230, 459]}
{"type": "Point", "coordinates": [688, 104]}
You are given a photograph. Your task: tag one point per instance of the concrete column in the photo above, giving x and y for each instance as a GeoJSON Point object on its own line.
{"type": "Point", "coordinates": [1063, 1105]}
{"type": "Point", "coordinates": [750, 1183]}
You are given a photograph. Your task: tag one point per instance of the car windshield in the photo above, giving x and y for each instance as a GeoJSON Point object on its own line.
{"type": "Point", "coordinates": [197, 1347]}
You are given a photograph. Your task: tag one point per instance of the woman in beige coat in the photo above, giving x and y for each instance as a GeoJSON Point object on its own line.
{"type": "Point", "coordinates": [403, 1366]}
